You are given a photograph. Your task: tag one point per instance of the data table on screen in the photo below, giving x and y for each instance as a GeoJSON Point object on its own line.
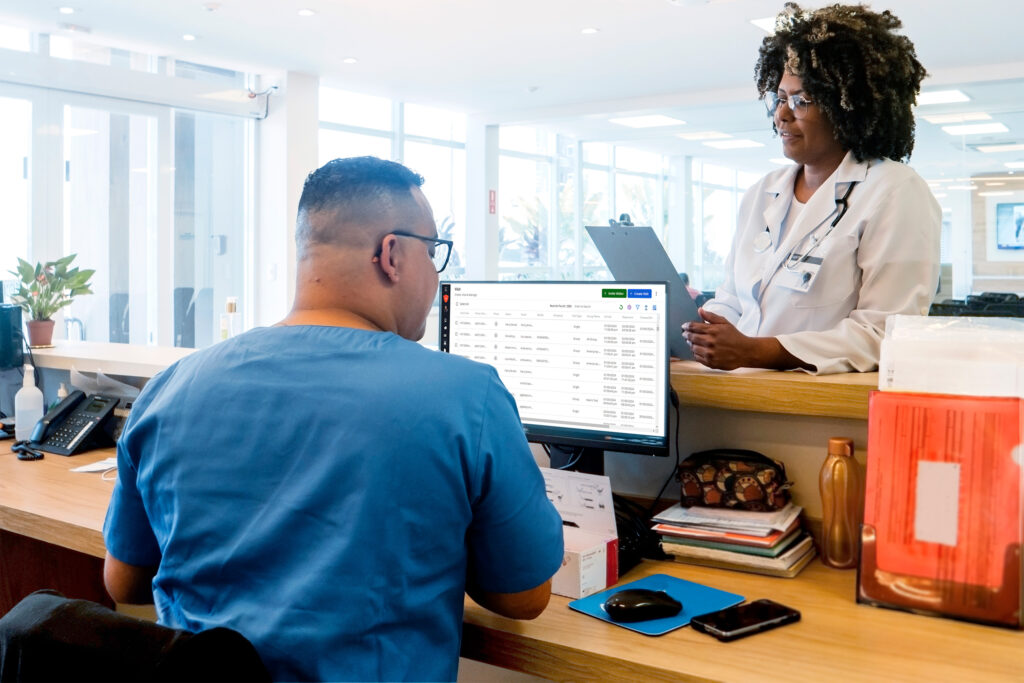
{"type": "Point", "coordinates": [577, 356]}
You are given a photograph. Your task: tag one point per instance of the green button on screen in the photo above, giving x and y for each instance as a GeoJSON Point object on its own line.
{"type": "Point", "coordinates": [613, 294]}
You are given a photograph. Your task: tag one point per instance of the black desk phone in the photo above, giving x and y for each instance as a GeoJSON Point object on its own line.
{"type": "Point", "coordinates": [77, 424]}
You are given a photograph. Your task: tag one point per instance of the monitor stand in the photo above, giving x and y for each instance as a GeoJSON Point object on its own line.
{"type": "Point", "coordinates": [590, 460]}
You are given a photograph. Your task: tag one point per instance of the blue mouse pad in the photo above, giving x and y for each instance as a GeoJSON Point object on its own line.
{"type": "Point", "coordinates": [696, 598]}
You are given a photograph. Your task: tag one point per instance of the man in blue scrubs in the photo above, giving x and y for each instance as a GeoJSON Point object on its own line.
{"type": "Point", "coordinates": [328, 487]}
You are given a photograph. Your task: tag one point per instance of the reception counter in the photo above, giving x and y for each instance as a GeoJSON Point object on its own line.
{"type": "Point", "coordinates": [770, 391]}
{"type": "Point", "coordinates": [788, 416]}
{"type": "Point", "coordinates": [793, 393]}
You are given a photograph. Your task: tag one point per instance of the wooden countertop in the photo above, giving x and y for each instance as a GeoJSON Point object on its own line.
{"type": "Point", "coordinates": [771, 391]}
{"type": "Point", "coordinates": [44, 500]}
{"type": "Point", "coordinates": [766, 391]}
{"type": "Point", "coordinates": [836, 639]}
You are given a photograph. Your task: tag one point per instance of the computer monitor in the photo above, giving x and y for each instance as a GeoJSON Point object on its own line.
{"type": "Point", "coordinates": [587, 362]}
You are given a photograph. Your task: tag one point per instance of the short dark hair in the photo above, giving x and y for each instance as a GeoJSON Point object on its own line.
{"type": "Point", "coordinates": [359, 190]}
{"type": "Point", "coordinates": [861, 74]}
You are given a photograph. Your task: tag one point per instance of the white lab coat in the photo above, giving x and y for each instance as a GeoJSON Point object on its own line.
{"type": "Point", "coordinates": [881, 258]}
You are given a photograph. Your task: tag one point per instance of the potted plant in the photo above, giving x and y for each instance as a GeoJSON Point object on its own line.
{"type": "Point", "coordinates": [46, 288]}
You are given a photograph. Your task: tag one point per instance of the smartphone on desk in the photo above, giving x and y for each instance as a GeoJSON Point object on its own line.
{"type": "Point", "coordinates": [745, 620]}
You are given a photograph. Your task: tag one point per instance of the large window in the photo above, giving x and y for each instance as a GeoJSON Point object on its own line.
{"type": "Point", "coordinates": [153, 198]}
{"type": "Point", "coordinates": [210, 230]}
{"type": "Point", "coordinates": [717, 192]}
{"type": "Point", "coordinates": [109, 218]}
{"type": "Point", "coordinates": [526, 199]}
{"type": "Point", "coordinates": [430, 141]}
{"type": "Point", "coordinates": [551, 187]}
{"type": "Point", "coordinates": [15, 155]}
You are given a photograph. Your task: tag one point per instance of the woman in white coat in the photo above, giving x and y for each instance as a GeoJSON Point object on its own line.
{"type": "Point", "coordinates": [826, 249]}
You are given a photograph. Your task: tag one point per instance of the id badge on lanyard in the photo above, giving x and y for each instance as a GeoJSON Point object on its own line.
{"type": "Point", "coordinates": [799, 278]}
{"type": "Point", "coordinates": [800, 270]}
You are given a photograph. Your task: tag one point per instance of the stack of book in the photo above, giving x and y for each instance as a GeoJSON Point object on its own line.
{"type": "Point", "coordinates": [771, 543]}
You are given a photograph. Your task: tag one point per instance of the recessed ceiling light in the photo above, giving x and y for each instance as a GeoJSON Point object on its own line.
{"type": "Point", "coordinates": [1014, 164]}
{"type": "Point", "coordinates": [782, 161]}
{"type": "Point", "coordinates": [1006, 147]}
{"type": "Point", "coordinates": [994, 184]}
{"type": "Point", "coordinates": [590, 30]}
{"type": "Point", "coordinates": [941, 97]}
{"type": "Point", "coordinates": [939, 119]}
{"type": "Point", "coordinates": [976, 129]}
{"type": "Point", "coordinates": [648, 121]}
{"type": "Point", "coordinates": [705, 135]}
{"type": "Point", "coordinates": [188, 37]}
{"type": "Point", "coordinates": [938, 195]}
{"type": "Point", "coordinates": [306, 12]}
{"type": "Point", "coordinates": [963, 187]}
{"type": "Point", "coordinates": [946, 209]}
{"type": "Point", "coordinates": [67, 10]}
{"type": "Point", "coordinates": [995, 193]}
{"type": "Point", "coordinates": [766, 24]}
{"type": "Point", "coordinates": [350, 60]}
{"type": "Point", "coordinates": [733, 144]}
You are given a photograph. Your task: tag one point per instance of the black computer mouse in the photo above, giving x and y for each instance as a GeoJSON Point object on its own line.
{"type": "Point", "coordinates": [641, 604]}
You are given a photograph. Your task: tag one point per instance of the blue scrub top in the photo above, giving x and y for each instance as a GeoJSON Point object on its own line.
{"type": "Point", "coordinates": [324, 491]}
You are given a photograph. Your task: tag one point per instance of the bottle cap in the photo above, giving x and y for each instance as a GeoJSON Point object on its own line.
{"type": "Point", "coordinates": [840, 445]}
{"type": "Point", "coordinates": [231, 305]}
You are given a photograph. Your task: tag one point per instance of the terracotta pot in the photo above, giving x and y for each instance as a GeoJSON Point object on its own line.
{"type": "Point", "coordinates": [40, 332]}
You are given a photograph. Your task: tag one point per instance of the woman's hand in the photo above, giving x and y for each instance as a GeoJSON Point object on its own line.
{"type": "Point", "coordinates": [717, 344]}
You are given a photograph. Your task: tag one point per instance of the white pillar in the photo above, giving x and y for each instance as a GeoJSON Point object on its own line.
{"type": "Point", "coordinates": [286, 153]}
{"type": "Point", "coordinates": [481, 200]}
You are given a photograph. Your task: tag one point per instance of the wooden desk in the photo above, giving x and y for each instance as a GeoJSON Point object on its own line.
{"type": "Point", "coordinates": [51, 524]}
{"type": "Point", "coordinates": [836, 639]}
{"type": "Point", "coordinates": [61, 513]}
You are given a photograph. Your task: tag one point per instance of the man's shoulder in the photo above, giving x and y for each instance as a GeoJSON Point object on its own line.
{"type": "Point", "coordinates": [450, 363]}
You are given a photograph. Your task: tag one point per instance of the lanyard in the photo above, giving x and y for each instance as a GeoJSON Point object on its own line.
{"type": "Point", "coordinates": [841, 207]}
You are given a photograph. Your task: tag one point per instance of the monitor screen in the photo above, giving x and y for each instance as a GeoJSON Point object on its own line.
{"type": "Point", "coordinates": [587, 362]}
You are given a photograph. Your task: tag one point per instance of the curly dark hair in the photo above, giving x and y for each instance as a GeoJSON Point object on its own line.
{"type": "Point", "coordinates": [863, 76]}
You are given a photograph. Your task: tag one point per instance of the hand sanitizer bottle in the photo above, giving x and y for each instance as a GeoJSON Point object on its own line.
{"type": "Point", "coordinates": [28, 406]}
{"type": "Point", "coordinates": [229, 318]}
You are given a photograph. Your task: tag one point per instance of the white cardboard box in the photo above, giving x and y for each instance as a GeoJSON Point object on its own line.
{"type": "Point", "coordinates": [591, 560]}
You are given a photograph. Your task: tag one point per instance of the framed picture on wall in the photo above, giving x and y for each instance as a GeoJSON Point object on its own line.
{"type": "Point", "coordinates": [1010, 226]}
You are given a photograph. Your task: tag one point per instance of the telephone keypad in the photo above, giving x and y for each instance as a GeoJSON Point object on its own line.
{"type": "Point", "coordinates": [68, 431]}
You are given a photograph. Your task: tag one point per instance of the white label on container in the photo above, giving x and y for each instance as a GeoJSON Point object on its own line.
{"type": "Point", "coordinates": [938, 502]}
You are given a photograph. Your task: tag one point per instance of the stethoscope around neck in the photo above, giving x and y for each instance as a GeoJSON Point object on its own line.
{"type": "Point", "coordinates": [764, 240]}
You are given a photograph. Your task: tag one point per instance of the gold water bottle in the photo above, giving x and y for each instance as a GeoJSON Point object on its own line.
{"type": "Point", "coordinates": [842, 503]}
